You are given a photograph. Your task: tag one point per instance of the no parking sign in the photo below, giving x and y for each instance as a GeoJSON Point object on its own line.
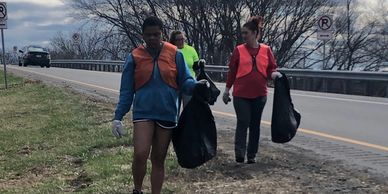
{"type": "Point", "coordinates": [325, 28]}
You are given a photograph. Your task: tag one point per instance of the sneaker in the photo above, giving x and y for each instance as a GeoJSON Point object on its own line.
{"type": "Point", "coordinates": [240, 160]}
{"type": "Point", "coordinates": [137, 192]}
{"type": "Point", "coordinates": [251, 161]}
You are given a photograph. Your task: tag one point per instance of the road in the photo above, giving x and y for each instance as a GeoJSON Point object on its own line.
{"type": "Point", "coordinates": [355, 123]}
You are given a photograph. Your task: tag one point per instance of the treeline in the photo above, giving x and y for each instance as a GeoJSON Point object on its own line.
{"type": "Point", "coordinates": [212, 27]}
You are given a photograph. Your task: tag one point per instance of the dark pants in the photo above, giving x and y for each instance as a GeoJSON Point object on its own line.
{"type": "Point", "coordinates": [248, 113]}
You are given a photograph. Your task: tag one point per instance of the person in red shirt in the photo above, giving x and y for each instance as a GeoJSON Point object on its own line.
{"type": "Point", "coordinates": [252, 64]}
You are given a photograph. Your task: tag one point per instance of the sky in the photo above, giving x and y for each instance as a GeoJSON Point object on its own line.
{"type": "Point", "coordinates": [35, 22]}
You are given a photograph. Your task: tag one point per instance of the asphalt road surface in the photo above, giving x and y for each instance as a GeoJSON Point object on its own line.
{"type": "Point", "coordinates": [346, 126]}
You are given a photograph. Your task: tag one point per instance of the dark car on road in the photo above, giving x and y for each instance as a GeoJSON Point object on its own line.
{"type": "Point", "coordinates": [34, 55]}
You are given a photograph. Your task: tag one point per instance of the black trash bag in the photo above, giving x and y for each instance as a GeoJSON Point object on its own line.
{"type": "Point", "coordinates": [285, 119]}
{"type": "Point", "coordinates": [214, 91]}
{"type": "Point", "coordinates": [195, 138]}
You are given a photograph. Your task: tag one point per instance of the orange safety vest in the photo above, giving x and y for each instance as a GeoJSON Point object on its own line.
{"type": "Point", "coordinates": [245, 65]}
{"type": "Point", "coordinates": [144, 65]}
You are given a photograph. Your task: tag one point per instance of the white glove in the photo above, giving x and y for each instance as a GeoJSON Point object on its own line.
{"type": "Point", "coordinates": [276, 74]}
{"type": "Point", "coordinates": [118, 129]}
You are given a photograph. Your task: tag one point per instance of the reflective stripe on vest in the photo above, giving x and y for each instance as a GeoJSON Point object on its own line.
{"type": "Point", "coordinates": [245, 65]}
{"type": "Point", "coordinates": [144, 65]}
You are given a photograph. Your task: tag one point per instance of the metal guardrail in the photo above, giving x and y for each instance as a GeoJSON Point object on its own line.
{"type": "Point", "coordinates": [345, 82]}
{"type": "Point", "coordinates": [117, 66]}
{"type": "Point", "coordinates": [94, 65]}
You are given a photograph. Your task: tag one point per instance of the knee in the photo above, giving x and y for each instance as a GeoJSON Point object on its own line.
{"type": "Point", "coordinates": [158, 160]}
{"type": "Point", "coordinates": [141, 156]}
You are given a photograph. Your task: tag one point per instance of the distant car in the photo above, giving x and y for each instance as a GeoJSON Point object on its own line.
{"type": "Point", "coordinates": [34, 55]}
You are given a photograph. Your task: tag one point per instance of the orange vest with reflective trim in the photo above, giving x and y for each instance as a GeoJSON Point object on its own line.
{"type": "Point", "coordinates": [245, 65]}
{"type": "Point", "coordinates": [144, 65]}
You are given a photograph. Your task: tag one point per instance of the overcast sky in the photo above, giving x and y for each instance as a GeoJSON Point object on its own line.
{"type": "Point", "coordinates": [34, 22]}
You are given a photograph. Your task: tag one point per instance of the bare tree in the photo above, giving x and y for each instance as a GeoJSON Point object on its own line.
{"type": "Point", "coordinates": [378, 47]}
{"type": "Point", "coordinates": [213, 28]}
{"type": "Point", "coordinates": [353, 38]}
{"type": "Point", "coordinates": [94, 44]}
{"type": "Point", "coordinates": [288, 25]}
{"type": "Point", "coordinates": [124, 15]}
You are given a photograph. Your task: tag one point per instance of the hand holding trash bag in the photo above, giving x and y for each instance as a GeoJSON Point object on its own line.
{"type": "Point", "coordinates": [285, 118]}
{"type": "Point", "coordinates": [195, 138]}
{"type": "Point", "coordinates": [226, 97]}
{"type": "Point", "coordinates": [214, 91]}
{"type": "Point", "coordinates": [275, 75]}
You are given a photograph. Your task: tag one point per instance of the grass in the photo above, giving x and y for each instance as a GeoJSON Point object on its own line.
{"type": "Point", "coordinates": [54, 141]}
{"type": "Point", "coordinates": [12, 80]}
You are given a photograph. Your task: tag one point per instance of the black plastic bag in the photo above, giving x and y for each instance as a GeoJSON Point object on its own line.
{"type": "Point", "coordinates": [214, 91]}
{"type": "Point", "coordinates": [195, 138]}
{"type": "Point", "coordinates": [285, 119]}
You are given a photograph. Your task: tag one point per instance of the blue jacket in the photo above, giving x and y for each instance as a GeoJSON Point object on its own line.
{"type": "Point", "coordinates": [155, 100]}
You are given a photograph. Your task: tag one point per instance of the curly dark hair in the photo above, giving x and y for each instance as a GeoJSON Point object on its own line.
{"type": "Point", "coordinates": [152, 21]}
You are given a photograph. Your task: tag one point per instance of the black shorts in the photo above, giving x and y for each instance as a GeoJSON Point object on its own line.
{"type": "Point", "coordinates": [162, 124]}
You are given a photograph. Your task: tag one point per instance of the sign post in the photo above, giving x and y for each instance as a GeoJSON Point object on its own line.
{"type": "Point", "coordinates": [3, 25]}
{"type": "Point", "coordinates": [76, 43]}
{"type": "Point", "coordinates": [325, 33]}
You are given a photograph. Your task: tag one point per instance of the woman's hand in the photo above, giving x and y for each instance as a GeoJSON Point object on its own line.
{"type": "Point", "coordinates": [226, 96]}
{"type": "Point", "coordinates": [118, 129]}
{"type": "Point", "coordinates": [275, 75]}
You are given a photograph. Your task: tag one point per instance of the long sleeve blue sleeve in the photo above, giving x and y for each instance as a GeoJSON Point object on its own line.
{"type": "Point", "coordinates": [185, 81]}
{"type": "Point", "coordinates": [126, 89]}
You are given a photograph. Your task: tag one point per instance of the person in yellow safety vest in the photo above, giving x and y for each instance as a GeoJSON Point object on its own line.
{"type": "Point", "coordinates": [153, 76]}
{"type": "Point", "coordinates": [178, 39]}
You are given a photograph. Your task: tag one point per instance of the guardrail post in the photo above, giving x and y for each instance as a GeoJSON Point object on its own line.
{"type": "Point", "coordinates": [291, 80]}
{"type": "Point", "coordinates": [324, 85]}
{"type": "Point", "coordinates": [345, 86]}
{"type": "Point", "coordinates": [386, 90]}
{"type": "Point", "coordinates": [305, 82]}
